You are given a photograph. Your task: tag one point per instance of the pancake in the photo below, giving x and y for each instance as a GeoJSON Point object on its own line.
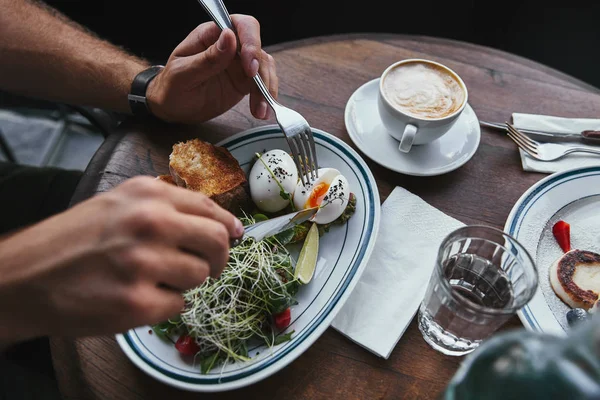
{"type": "Point", "coordinates": [575, 278]}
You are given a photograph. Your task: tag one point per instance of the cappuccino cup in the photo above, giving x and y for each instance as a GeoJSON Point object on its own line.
{"type": "Point", "coordinates": [419, 101]}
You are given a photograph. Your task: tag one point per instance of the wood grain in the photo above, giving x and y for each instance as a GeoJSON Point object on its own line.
{"type": "Point", "coordinates": [317, 77]}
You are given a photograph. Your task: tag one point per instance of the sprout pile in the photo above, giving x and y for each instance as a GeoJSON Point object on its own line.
{"type": "Point", "coordinates": [223, 314]}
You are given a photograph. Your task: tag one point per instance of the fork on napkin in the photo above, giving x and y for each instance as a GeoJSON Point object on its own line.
{"type": "Point", "coordinates": [553, 124]}
{"type": "Point", "coordinates": [389, 293]}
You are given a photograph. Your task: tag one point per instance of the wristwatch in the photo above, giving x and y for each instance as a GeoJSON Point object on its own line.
{"type": "Point", "coordinates": [137, 95]}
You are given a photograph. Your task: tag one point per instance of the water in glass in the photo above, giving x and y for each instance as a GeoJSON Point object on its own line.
{"type": "Point", "coordinates": [478, 284]}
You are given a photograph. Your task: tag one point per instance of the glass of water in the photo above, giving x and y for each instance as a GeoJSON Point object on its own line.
{"type": "Point", "coordinates": [482, 277]}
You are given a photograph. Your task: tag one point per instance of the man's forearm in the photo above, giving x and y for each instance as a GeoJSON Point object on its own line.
{"type": "Point", "coordinates": [43, 54]}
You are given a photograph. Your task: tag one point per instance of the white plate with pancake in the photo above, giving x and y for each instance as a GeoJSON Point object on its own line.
{"type": "Point", "coordinates": [343, 255]}
{"type": "Point", "coordinates": [441, 156]}
{"type": "Point", "coordinates": [572, 196]}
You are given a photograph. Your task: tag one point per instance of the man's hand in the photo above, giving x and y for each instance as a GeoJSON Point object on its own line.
{"type": "Point", "coordinates": [116, 261]}
{"type": "Point", "coordinates": [204, 77]}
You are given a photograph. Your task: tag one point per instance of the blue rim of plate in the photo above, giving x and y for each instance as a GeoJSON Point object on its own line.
{"type": "Point", "coordinates": [361, 256]}
{"type": "Point", "coordinates": [522, 207]}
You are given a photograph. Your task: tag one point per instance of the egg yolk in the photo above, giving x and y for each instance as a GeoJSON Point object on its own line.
{"type": "Point", "coordinates": [317, 195]}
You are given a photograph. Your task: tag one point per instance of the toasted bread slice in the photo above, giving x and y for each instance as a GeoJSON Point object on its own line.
{"type": "Point", "coordinates": [205, 168]}
{"type": "Point", "coordinates": [575, 278]}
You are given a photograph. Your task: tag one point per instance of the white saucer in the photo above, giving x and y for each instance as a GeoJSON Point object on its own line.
{"type": "Point", "coordinates": [446, 154]}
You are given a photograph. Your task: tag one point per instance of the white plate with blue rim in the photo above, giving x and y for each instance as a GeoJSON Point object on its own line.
{"type": "Point", "coordinates": [572, 196]}
{"type": "Point", "coordinates": [343, 255]}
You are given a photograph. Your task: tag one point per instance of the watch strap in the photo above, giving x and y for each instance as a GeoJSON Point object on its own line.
{"type": "Point", "coordinates": [137, 95]}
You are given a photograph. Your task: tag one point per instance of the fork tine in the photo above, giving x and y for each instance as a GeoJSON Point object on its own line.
{"type": "Point", "coordinates": [512, 130]}
{"type": "Point", "coordinates": [301, 142]}
{"type": "Point", "coordinates": [532, 145]}
{"type": "Point", "coordinates": [313, 154]}
{"type": "Point", "coordinates": [296, 157]}
{"type": "Point", "coordinates": [519, 140]}
{"type": "Point", "coordinates": [522, 135]}
{"type": "Point", "coordinates": [310, 172]}
{"type": "Point", "coordinates": [523, 147]}
{"type": "Point", "coordinates": [519, 145]}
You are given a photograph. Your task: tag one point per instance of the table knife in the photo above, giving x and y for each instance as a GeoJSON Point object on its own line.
{"type": "Point", "coordinates": [588, 136]}
{"type": "Point", "coordinates": [270, 227]}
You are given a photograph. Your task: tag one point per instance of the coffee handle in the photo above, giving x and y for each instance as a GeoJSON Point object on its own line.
{"type": "Point", "coordinates": [407, 138]}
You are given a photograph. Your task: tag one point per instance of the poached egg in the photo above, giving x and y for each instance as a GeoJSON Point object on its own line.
{"type": "Point", "coordinates": [330, 191]}
{"type": "Point", "coordinates": [273, 171]}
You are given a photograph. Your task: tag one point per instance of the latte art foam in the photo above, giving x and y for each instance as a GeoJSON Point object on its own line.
{"type": "Point", "coordinates": [423, 90]}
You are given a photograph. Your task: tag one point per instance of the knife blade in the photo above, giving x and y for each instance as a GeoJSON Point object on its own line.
{"type": "Point", "coordinates": [270, 227]}
{"type": "Point", "coordinates": [588, 136]}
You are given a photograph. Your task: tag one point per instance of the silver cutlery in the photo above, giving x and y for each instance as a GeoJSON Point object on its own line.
{"type": "Point", "coordinates": [295, 128]}
{"type": "Point", "coordinates": [544, 151]}
{"type": "Point", "coordinates": [589, 136]}
{"type": "Point", "coordinates": [273, 226]}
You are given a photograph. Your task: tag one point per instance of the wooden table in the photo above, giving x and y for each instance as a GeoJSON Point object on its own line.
{"type": "Point", "coordinates": [317, 77]}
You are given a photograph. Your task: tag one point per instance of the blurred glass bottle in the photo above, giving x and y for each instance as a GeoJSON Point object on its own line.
{"type": "Point", "coordinates": [529, 365]}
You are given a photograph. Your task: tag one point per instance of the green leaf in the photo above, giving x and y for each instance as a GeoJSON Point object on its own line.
{"type": "Point", "coordinates": [283, 338]}
{"type": "Point", "coordinates": [300, 232]}
{"type": "Point", "coordinates": [286, 263]}
{"type": "Point", "coordinates": [164, 329]}
{"type": "Point", "coordinates": [292, 288]}
{"type": "Point", "coordinates": [260, 217]}
{"type": "Point", "coordinates": [161, 330]}
{"type": "Point", "coordinates": [207, 363]}
{"type": "Point", "coordinates": [244, 350]}
{"type": "Point", "coordinates": [285, 237]}
{"type": "Point", "coordinates": [277, 305]}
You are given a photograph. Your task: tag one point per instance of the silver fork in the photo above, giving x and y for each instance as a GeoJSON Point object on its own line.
{"type": "Point", "coordinates": [544, 151]}
{"type": "Point", "coordinates": [295, 128]}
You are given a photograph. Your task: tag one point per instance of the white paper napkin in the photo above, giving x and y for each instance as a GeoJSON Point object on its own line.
{"type": "Point", "coordinates": [556, 124]}
{"type": "Point", "coordinates": [393, 284]}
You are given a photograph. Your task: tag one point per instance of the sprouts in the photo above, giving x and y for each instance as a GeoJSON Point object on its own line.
{"type": "Point", "coordinates": [223, 314]}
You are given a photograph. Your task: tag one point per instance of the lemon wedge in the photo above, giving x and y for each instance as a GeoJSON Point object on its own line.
{"type": "Point", "coordinates": [307, 260]}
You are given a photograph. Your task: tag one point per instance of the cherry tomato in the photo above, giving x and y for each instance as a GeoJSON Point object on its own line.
{"type": "Point", "coordinates": [283, 319]}
{"type": "Point", "coordinates": [187, 345]}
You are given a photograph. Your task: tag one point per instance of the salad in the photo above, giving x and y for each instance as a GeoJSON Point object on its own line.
{"type": "Point", "coordinates": [251, 300]}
